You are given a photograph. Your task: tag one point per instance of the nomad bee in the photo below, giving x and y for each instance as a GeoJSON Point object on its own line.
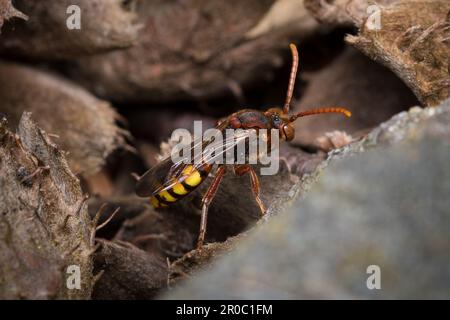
{"type": "Point", "coordinates": [170, 181]}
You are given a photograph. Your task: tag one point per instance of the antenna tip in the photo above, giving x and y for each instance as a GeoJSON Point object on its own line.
{"type": "Point", "coordinates": [347, 113]}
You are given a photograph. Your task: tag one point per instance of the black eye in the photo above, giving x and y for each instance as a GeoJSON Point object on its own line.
{"type": "Point", "coordinates": [276, 119]}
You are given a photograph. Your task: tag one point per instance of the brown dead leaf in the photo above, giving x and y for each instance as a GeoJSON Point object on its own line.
{"type": "Point", "coordinates": [44, 224]}
{"type": "Point", "coordinates": [189, 50]}
{"type": "Point", "coordinates": [105, 25]}
{"type": "Point", "coordinates": [85, 126]}
{"type": "Point", "coordinates": [414, 42]}
{"type": "Point", "coordinates": [8, 11]}
{"type": "Point", "coordinates": [127, 272]}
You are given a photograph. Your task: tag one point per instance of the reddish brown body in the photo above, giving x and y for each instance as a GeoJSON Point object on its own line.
{"type": "Point", "coordinates": [168, 182]}
{"type": "Point", "coordinates": [249, 119]}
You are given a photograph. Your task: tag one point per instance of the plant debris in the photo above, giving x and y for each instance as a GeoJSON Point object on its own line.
{"type": "Point", "coordinates": [193, 60]}
{"type": "Point", "coordinates": [44, 222]}
{"type": "Point", "coordinates": [105, 25]}
{"type": "Point", "coordinates": [8, 11]}
{"type": "Point", "coordinates": [64, 110]}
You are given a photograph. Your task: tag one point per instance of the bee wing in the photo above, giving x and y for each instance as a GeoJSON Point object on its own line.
{"type": "Point", "coordinates": [223, 147]}
{"type": "Point", "coordinates": [157, 178]}
{"type": "Point", "coordinates": [167, 173]}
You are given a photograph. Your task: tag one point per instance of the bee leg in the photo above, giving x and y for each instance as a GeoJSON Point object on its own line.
{"type": "Point", "coordinates": [206, 201]}
{"type": "Point", "coordinates": [256, 190]}
{"type": "Point", "coordinates": [241, 170]}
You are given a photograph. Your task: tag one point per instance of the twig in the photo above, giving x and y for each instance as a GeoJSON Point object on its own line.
{"type": "Point", "coordinates": [94, 223]}
{"type": "Point", "coordinates": [108, 220]}
{"type": "Point", "coordinates": [38, 170]}
{"type": "Point", "coordinates": [97, 277]}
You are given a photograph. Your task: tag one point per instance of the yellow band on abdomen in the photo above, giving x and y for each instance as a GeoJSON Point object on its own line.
{"type": "Point", "coordinates": [189, 180]}
{"type": "Point", "coordinates": [156, 203]}
{"type": "Point", "coordinates": [167, 196]}
{"type": "Point", "coordinates": [179, 189]}
{"type": "Point", "coordinates": [194, 179]}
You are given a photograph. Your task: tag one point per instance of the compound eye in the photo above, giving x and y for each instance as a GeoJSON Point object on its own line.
{"type": "Point", "coordinates": [276, 120]}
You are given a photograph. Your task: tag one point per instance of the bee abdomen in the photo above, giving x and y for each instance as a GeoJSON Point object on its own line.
{"type": "Point", "coordinates": [189, 180]}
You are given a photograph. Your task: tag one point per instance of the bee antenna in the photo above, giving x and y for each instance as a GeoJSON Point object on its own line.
{"type": "Point", "coordinates": [344, 111]}
{"type": "Point", "coordinates": [292, 78]}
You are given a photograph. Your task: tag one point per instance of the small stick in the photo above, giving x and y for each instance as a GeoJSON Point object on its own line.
{"type": "Point", "coordinates": [66, 219]}
{"type": "Point", "coordinates": [83, 201]}
{"type": "Point", "coordinates": [95, 221]}
{"type": "Point", "coordinates": [38, 170]}
{"type": "Point", "coordinates": [73, 250]}
{"type": "Point", "coordinates": [95, 248]}
{"type": "Point", "coordinates": [97, 277]}
{"type": "Point", "coordinates": [108, 220]}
